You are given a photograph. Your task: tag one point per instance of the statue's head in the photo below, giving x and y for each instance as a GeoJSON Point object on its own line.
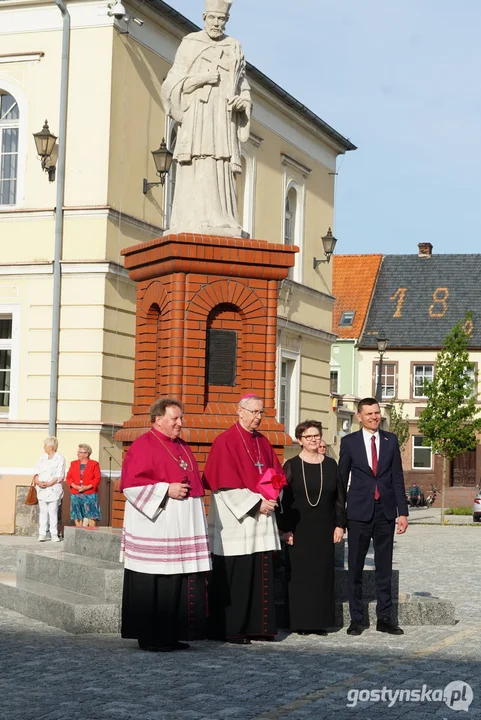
{"type": "Point", "coordinates": [215, 17]}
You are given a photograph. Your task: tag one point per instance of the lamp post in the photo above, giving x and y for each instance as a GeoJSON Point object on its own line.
{"type": "Point", "coordinates": [163, 158]}
{"type": "Point", "coordinates": [381, 348]}
{"type": "Point", "coordinates": [328, 243]}
{"type": "Point", "coordinates": [45, 143]}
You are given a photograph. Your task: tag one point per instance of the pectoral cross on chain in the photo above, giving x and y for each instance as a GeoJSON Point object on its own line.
{"type": "Point", "coordinates": [259, 466]}
{"type": "Point", "coordinates": [214, 59]}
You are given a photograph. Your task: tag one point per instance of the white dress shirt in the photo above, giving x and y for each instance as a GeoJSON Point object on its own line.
{"type": "Point", "coordinates": [367, 437]}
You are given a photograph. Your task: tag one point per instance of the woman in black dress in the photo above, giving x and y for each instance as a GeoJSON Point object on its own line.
{"type": "Point", "coordinates": [313, 518]}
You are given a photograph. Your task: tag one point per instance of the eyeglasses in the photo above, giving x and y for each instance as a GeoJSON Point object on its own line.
{"type": "Point", "coordinates": [311, 437]}
{"type": "Point", "coordinates": [260, 413]}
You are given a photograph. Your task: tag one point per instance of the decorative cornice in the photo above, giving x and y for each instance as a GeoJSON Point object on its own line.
{"type": "Point", "coordinates": [17, 214]}
{"type": "Point", "coordinates": [208, 255]}
{"type": "Point", "coordinates": [35, 56]}
{"type": "Point", "coordinates": [255, 140]}
{"type": "Point", "coordinates": [306, 330]}
{"type": "Point", "coordinates": [295, 165]}
{"type": "Point", "coordinates": [39, 268]}
{"type": "Point", "coordinates": [318, 294]}
{"type": "Point", "coordinates": [113, 214]}
{"type": "Point", "coordinates": [85, 267]}
{"type": "Point", "coordinates": [93, 268]}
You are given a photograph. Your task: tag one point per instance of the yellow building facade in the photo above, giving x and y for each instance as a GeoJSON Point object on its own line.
{"type": "Point", "coordinates": [114, 120]}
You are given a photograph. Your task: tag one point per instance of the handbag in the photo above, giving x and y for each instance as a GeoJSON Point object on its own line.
{"type": "Point", "coordinates": [31, 497]}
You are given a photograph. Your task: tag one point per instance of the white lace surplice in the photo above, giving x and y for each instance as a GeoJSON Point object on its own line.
{"type": "Point", "coordinates": [234, 529]}
{"type": "Point", "coordinates": [162, 536]}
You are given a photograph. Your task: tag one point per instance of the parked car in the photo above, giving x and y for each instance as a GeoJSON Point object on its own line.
{"type": "Point", "coordinates": [477, 508]}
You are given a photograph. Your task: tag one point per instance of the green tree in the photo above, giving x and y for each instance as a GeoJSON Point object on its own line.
{"type": "Point", "coordinates": [449, 422]}
{"type": "Point", "coordinates": [399, 425]}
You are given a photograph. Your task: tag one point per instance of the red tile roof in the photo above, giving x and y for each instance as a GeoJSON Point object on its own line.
{"type": "Point", "coordinates": [353, 282]}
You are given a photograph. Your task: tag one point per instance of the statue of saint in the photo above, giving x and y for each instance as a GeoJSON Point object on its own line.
{"type": "Point", "coordinates": [207, 93]}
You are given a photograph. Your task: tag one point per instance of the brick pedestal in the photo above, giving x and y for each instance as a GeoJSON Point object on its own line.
{"type": "Point", "coordinates": [188, 285]}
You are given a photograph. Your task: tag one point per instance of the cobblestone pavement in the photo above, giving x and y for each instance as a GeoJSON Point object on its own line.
{"type": "Point", "coordinates": [46, 674]}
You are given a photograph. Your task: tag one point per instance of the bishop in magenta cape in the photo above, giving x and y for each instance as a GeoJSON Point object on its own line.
{"type": "Point", "coordinates": [164, 544]}
{"type": "Point", "coordinates": [241, 587]}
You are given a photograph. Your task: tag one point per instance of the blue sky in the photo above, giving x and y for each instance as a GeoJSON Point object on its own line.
{"type": "Point", "coordinates": [400, 79]}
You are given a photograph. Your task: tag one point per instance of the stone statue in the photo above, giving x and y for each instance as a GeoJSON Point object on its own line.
{"type": "Point", "coordinates": [207, 93]}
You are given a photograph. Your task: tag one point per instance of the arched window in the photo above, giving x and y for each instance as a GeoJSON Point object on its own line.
{"type": "Point", "coordinates": [290, 217]}
{"type": "Point", "coordinates": [172, 176]}
{"type": "Point", "coordinates": [9, 137]}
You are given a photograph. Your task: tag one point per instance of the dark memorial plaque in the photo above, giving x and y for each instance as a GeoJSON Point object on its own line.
{"type": "Point", "coordinates": [221, 357]}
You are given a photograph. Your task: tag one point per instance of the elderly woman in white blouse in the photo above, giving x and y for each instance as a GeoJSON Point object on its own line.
{"type": "Point", "coordinates": [49, 476]}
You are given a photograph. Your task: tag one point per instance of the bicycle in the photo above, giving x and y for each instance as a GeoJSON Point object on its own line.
{"type": "Point", "coordinates": [429, 500]}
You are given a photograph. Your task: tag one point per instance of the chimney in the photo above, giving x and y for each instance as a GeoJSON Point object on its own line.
{"type": "Point", "coordinates": [425, 249]}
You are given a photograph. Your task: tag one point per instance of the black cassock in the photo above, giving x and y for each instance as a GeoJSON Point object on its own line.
{"type": "Point", "coordinates": [310, 561]}
{"type": "Point", "coordinates": [161, 609]}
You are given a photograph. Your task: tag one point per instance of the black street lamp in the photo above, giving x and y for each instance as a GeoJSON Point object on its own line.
{"type": "Point", "coordinates": [45, 144]}
{"type": "Point", "coordinates": [163, 158]}
{"type": "Point", "coordinates": [328, 243]}
{"type": "Point", "coordinates": [382, 343]}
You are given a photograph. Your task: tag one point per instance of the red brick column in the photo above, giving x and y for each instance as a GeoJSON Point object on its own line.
{"type": "Point", "coordinates": [188, 284]}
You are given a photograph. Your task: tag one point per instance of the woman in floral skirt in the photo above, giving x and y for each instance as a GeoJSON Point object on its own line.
{"type": "Point", "coordinates": [84, 478]}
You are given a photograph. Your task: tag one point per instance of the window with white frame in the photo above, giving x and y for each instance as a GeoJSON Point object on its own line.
{"type": "Point", "coordinates": [285, 392]}
{"type": "Point", "coordinates": [334, 381]}
{"type": "Point", "coordinates": [422, 454]}
{"type": "Point", "coordinates": [9, 140]}
{"type": "Point", "coordinates": [172, 175]}
{"type": "Point", "coordinates": [295, 178]}
{"type": "Point", "coordinates": [421, 375]}
{"type": "Point", "coordinates": [288, 388]}
{"type": "Point", "coordinates": [388, 380]}
{"type": "Point", "coordinates": [290, 219]}
{"type": "Point", "coordinates": [5, 363]}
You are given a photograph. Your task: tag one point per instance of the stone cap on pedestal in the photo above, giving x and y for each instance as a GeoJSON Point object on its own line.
{"type": "Point", "coordinates": [210, 255]}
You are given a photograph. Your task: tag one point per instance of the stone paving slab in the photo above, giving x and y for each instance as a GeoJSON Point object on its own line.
{"type": "Point", "coordinates": [47, 674]}
{"type": "Point", "coordinates": [432, 516]}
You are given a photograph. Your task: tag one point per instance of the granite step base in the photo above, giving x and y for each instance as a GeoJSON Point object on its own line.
{"type": "Point", "coordinates": [51, 587]}
{"type": "Point", "coordinates": [102, 543]}
{"type": "Point", "coordinates": [410, 609]}
{"type": "Point", "coordinates": [341, 587]}
{"type": "Point", "coordinates": [74, 612]}
{"type": "Point", "coordinates": [80, 574]}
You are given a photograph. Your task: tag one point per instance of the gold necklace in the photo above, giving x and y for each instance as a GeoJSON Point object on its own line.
{"type": "Point", "coordinates": [257, 464]}
{"type": "Point", "coordinates": [305, 484]}
{"type": "Point", "coordinates": [179, 460]}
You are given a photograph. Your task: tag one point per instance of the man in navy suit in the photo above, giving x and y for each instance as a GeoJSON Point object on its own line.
{"type": "Point", "coordinates": [376, 495]}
